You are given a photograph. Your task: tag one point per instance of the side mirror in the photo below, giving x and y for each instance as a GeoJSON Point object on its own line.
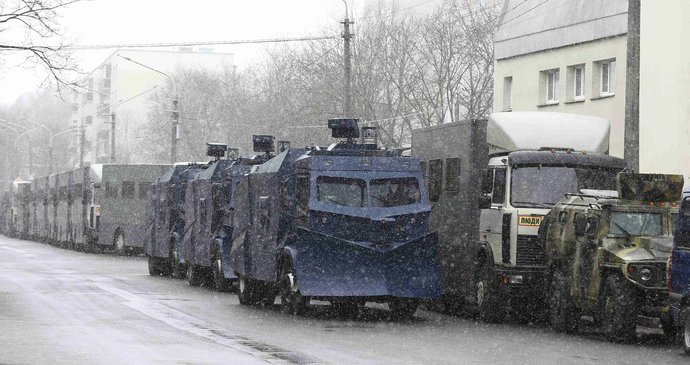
{"type": "Point", "coordinates": [591, 229]}
{"type": "Point", "coordinates": [484, 201]}
{"type": "Point", "coordinates": [580, 223]}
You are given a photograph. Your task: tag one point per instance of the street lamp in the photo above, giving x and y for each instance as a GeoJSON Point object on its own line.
{"type": "Point", "coordinates": [18, 135]}
{"type": "Point", "coordinates": [175, 113]}
{"type": "Point", "coordinates": [50, 141]}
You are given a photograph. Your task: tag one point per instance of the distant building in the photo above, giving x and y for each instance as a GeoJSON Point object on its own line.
{"type": "Point", "coordinates": [571, 56]}
{"type": "Point", "coordinates": [122, 88]}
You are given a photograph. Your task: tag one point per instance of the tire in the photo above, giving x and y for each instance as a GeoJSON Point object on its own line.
{"type": "Point", "coordinates": [619, 317]}
{"type": "Point", "coordinates": [119, 243]}
{"type": "Point", "coordinates": [563, 314]}
{"type": "Point", "coordinates": [403, 309]}
{"type": "Point", "coordinates": [195, 275]}
{"type": "Point", "coordinates": [177, 269]}
{"type": "Point", "coordinates": [246, 292]}
{"type": "Point", "coordinates": [685, 333]}
{"type": "Point", "coordinates": [669, 327]}
{"type": "Point", "coordinates": [220, 283]}
{"type": "Point", "coordinates": [452, 304]}
{"type": "Point", "coordinates": [154, 266]}
{"type": "Point", "coordinates": [291, 299]}
{"type": "Point", "coordinates": [489, 306]}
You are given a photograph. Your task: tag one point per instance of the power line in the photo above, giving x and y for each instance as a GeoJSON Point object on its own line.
{"type": "Point", "coordinates": [527, 11]}
{"type": "Point", "coordinates": [199, 43]}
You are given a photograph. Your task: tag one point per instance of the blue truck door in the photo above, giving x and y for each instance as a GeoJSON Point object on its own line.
{"type": "Point", "coordinates": [680, 264]}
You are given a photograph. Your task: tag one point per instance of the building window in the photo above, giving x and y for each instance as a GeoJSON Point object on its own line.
{"type": "Point", "coordinates": [88, 120]}
{"type": "Point", "coordinates": [507, 92]}
{"type": "Point", "coordinates": [575, 83]}
{"type": "Point", "coordinates": [608, 77]}
{"type": "Point", "coordinates": [550, 82]}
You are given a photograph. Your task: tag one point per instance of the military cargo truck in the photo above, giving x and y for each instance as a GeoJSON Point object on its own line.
{"type": "Point", "coordinates": [607, 253]}
{"type": "Point", "coordinates": [491, 182]}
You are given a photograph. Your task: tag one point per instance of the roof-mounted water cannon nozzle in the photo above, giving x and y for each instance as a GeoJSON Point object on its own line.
{"type": "Point", "coordinates": [233, 153]}
{"type": "Point", "coordinates": [370, 135]}
{"type": "Point", "coordinates": [344, 128]}
{"type": "Point", "coordinates": [263, 143]}
{"type": "Point", "coordinates": [216, 150]}
{"type": "Point", "coordinates": [283, 146]}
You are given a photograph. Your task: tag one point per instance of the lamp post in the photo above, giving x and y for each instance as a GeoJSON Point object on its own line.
{"type": "Point", "coordinates": [347, 36]}
{"type": "Point", "coordinates": [51, 136]}
{"type": "Point", "coordinates": [175, 114]}
{"type": "Point", "coordinates": [18, 135]}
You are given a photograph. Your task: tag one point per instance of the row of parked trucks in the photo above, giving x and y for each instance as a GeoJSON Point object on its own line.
{"type": "Point", "coordinates": [523, 213]}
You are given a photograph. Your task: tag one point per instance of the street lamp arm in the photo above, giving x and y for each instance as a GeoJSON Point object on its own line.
{"type": "Point", "coordinates": [22, 134]}
{"type": "Point", "coordinates": [50, 133]}
{"type": "Point", "coordinates": [154, 70]}
{"type": "Point", "coordinates": [8, 127]}
{"type": "Point", "coordinates": [61, 133]}
{"type": "Point", "coordinates": [16, 125]}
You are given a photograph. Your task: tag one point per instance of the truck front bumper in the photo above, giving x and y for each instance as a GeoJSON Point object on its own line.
{"type": "Point", "coordinates": [521, 282]}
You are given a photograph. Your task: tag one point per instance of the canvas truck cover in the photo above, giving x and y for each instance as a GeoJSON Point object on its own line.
{"type": "Point", "coordinates": [513, 131]}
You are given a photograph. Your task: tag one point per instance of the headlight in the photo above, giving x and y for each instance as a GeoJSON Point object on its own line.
{"type": "Point", "coordinates": [645, 274]}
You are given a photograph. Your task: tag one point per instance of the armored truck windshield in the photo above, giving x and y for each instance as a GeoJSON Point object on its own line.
{"type": "Point", "coordinates": [380, 193]}
{"type": "Point", "coordinates": [544, 186]}
{"type": "Point", "coordinates": [627, 224]}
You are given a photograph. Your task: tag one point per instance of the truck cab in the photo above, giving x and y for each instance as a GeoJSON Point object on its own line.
{"type": "Point", "coordinates": [490, 183]}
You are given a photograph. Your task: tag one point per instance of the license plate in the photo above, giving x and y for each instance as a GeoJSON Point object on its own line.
{"type": "Point", "coordinates": [529, 220]}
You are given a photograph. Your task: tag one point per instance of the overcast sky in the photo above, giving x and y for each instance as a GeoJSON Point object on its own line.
{"type": "Point", "coordinates": [156, 21]}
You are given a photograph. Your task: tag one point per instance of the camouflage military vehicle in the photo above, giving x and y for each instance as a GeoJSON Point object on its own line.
{"type": "Point", "coordinates": [607, 253]}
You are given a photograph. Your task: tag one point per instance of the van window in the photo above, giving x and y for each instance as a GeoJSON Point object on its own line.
{"type": "Point", "coordinates": [128, 189]}
{"type": "Point", "coordinates": [435, 179]}
{"type": "Point", "coordinates": [453, 174]}
{"type": "Point", "coordinates": [144, 190]}
{"type": "Point", "coordinates": [110, 190]}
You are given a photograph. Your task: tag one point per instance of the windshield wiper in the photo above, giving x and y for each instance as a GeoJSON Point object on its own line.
{"type": "Point", "coordinates": [532, 204]}
{"type": "Point", "coordinates": [334, 200]}
{"type": "Point", "coordinates": [626, 233]}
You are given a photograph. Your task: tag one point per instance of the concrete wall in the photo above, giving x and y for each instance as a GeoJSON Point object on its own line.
{"type": "Point", "coordinates": [527, 89]}
{"type": "Point", "coordinates": [665, 87]}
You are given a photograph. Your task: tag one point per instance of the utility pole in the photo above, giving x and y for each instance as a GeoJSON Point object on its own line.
{"type": "Point", "coordinates": [175, 130]}
{"type": "Point", "coordinates": [347, 36]}
{"type": "Point", "coordinates": [82, 141]}
{"type": "Point", "coordinates": [112, 138]}
{"type": "Point", "coordinates": [631, 146]}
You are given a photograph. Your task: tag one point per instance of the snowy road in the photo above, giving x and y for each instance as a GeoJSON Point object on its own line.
{"type": "Point", "coordinates": [64, 307]}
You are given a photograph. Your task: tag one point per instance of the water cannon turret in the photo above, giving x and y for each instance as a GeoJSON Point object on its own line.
{"type": "Point", "coordinates": [344, 128]}
{"type": "Point", "coordinates": [283, 145]}
{"type": "Point", "coordinates": [263, 143]}
{"type": "Point", "coordinates": [216, 150]}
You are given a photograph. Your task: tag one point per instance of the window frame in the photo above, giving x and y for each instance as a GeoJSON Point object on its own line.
{"type": "Point", "coordinates": [607, 88]}
{"type": "Point", "coordinates": [128, 190]}
{"type": "Point", "coordinates": [581, 83]}
{"type": "Point", "coordinates": [452, 175]}
{"type": "Point", "coordinates": [551, 85]}
{"type": "Point", "coordinates": [435, 182]}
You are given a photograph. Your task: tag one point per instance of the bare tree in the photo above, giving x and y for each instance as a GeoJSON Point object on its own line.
{"type": "Point", "coordinates": [32, 28]}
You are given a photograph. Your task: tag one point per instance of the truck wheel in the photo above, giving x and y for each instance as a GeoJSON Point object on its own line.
{"type": "Point", "coordinates": [620, 310]}
{"type": "Point", "coordinates": [246, 292]}
{"type": "Point", "coordinates": [119, 243]}
{"type": "Point", "coordinates": [685, 334]}
{"type": "Point", "coordinates": [489, 306]}
{"type": "Point", "coordinates": [403, 309]}
{"type": "Point", "coordinates": [194, 275]}
{"type": "Point", "coordinates": [154, 266]}
{"type": "Point", "coordinates": [220, 283]}
{"type": "Point", "coordinates": [178, 270]}
{"type": "Point", "coordinates": [563, 314]}
{"type": "Point", "coordinates": [291, 300]}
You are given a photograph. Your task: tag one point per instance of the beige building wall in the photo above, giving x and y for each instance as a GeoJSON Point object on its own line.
{"type": "Point", "coordinates": [527, 92]}
{"type": "Point", "coordinates": [665, 87]}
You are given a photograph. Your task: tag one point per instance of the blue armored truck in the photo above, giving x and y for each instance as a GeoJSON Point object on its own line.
{"type": "Point", "coordinates": [166, 215]}
{"type": "Point", "coordinates": [348, 224]}
{"type": "Point", "coordinates": [210, 205]}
